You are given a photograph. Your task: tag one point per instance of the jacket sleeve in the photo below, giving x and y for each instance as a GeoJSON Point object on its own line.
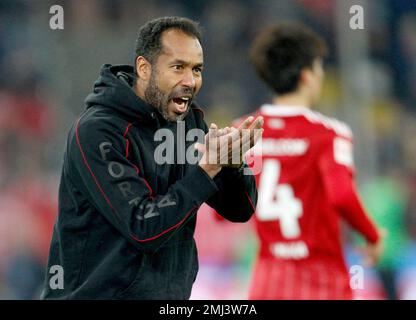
{"type": "Point", "coordinates": [121, 193]}
{"type": "Point", "coordinates": [237, 196]}
{"type": "Point", "coordinates": [336, 167]}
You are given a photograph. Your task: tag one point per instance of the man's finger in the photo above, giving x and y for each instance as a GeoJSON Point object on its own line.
{"type": "Point", "coordinates": [250, 141]}
{"type": "Point", "coordinates": [250, 133]}
{"type": "Point", "coordinates": [251, 136]}
{"type": "Point", "coordinates": [213, 130]}
{"type": "Point", "coordinates": [246, 123]}
{"type": "Point", "coordinates": [200, 147]}
{"type": "Point", "coordinates": [257, 135]}
{"type": "Point", "coordinates": [223, 131]}
{"type": "Point", "coordinates": [258, 123]}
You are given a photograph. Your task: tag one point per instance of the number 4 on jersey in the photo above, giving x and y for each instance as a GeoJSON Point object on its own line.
{"type": "Point", "coordinates": [277, 201]}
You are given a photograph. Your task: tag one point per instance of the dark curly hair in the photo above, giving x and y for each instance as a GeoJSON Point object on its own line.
{"type": "Point", "coordinates": [148, 42]}
{"type": "Point", "coordinates": [280, 52]}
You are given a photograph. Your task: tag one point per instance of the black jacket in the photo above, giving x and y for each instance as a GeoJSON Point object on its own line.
{"type": "Point", "coordinates": [125, 225]}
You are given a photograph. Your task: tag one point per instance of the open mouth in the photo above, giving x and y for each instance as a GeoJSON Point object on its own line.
{"type": "Point", "coordinates": [180, 104]}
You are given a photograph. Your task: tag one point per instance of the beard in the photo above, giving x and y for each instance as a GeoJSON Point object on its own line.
{"type": "Point", "coordinates": [154, 96]}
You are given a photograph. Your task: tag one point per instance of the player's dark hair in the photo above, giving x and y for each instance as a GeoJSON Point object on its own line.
{"type": "Point", "coordinates": [280, 52]}
{"type": "Point", "coordinates": [148, 43]}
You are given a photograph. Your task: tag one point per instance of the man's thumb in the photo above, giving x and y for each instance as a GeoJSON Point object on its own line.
{"type": "Point", "coordinates": [200, 147]}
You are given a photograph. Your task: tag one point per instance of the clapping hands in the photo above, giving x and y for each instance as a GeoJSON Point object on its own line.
{"type": "Point", "coordinates": [226, 147]}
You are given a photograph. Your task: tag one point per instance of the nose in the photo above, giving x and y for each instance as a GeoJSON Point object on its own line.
{"type": "Point", "coordinates": [189, 80]}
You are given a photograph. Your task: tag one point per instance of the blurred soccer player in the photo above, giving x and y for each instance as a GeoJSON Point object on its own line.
{"type": "Point", "coordinates": [307, 182]}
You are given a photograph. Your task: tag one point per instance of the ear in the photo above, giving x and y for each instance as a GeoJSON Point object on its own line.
{"type": "Point", "coordinates": [143, 68]}
{"type": "Point", "coordinates": [306, 77]}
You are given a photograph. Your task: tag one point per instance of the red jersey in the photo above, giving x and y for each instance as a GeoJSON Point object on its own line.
{"type": "Point", "coordinates": [305, 187]}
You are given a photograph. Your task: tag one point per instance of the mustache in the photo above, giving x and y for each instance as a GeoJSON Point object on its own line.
{"type": "Point", "coordinates": [183, 91]}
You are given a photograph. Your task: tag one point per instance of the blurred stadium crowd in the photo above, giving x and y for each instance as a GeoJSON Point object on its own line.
{"type": "Point", "coordinates": [46, 74]}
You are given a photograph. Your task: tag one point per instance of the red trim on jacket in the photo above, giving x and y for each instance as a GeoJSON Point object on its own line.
{"type": "Point", "coordinates": [108, 201]}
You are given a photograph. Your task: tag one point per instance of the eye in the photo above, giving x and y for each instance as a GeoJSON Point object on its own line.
{"type": "Point", "coordinates": [178, 67]}
{"type": "Point", "coordinates": [198, 69]}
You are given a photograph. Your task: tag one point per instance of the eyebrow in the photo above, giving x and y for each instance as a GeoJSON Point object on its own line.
{"type": "Point", "coordinates": [179, 61]}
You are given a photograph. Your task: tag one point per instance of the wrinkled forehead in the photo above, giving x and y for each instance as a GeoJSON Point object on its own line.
{"type": "Point", "coordinates": [178, 45]}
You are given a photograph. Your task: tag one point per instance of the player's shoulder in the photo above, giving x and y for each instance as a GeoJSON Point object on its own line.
{"type": "Point", "coordinates": [330, 125]}
{"type": "Point", "coordinates": [337, 136]}
{"type": "Point", "coordinates": [318, 122]}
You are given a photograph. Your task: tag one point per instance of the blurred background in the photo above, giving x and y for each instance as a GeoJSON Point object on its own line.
{"type": "Point", "coordinates": [46, 75]}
